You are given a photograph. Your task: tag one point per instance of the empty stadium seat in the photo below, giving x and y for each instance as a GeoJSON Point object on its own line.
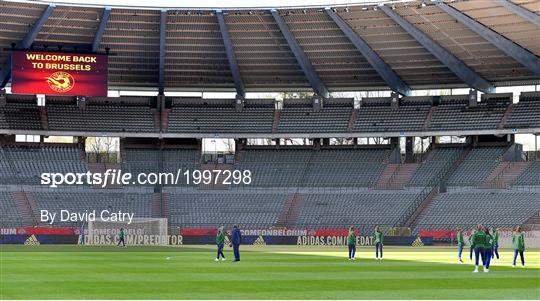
{"type": "Point", "coordinates": [79, 201]}
{"type": "Point", "coordinates": [477, 166]}
{"type": "Point", "coordinates": [368, 209]}
{"type": "Point", "coordinates": [438, 159]}
{"type": "Point", "coordinates": [454, 114]}
{"type": "Point", "coordinates": [9, 215]}
{"type": "Point", "coordinates": [210, 209]}
{"type": "Point", "coordinates": [313, 168]}
{"type": "Point", "coordinates": [220, 118]}
{"type": "Point", "coordinates": [25, 165]}
{"type": "Point", "coordinates": [468, 208]}
{"type": "Point", "coordinates": [102, 118]}
{"type": "Point", "coordinates": [531, 176]}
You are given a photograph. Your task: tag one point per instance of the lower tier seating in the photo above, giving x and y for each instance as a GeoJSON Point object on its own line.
{"type": "Point", "coordinates": [488, 207]}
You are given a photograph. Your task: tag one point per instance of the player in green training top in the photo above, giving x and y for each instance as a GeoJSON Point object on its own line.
{"type": "Point", "coordinates": [460, 243]}
{"type": "Point", "coordinates": [351, 242]}
{"type": "Point", "coordinates": [121, 237]}
{"type": "Point", "coordinates": [495, 234]}
{"type": "Point", "coordinates": [518, 241]}
{"type": "Point", "coordinates": [220, 242]}
{"type": "Point", "coordinates": [379, 241]}
{"type": "Point", "coordinates": [478, 242]}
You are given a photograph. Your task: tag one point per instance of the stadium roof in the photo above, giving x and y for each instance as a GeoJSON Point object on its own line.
{"type": "Point", "coordinates": [410, 45]}
{"type": "Point", "coordinates": [211, 4]}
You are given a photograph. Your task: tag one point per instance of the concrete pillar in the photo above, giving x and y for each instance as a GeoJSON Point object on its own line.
{"type": "Point", "coordinates": [395, 100]}
{"type": "Point", "coordinates": [317, 103]}
{"type": "Point", "coordinates": [239, 103]}
{"type": "Point", "coordinates": [409, 149]}
{"type": "Point", "coordinates": [473, 98]}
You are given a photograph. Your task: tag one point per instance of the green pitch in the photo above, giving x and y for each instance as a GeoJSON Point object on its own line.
{"type": "Point", "coordinates": [72, 272]}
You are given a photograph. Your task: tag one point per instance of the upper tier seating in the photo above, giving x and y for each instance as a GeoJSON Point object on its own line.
{"type": "Point", "coordinates": [378, 116]}
{"type": "Point", "coordinates": [20, 116]}
{"type": "Point", "coordinates": [525, 113]}
{"type": "Point", "coordinates": [454, 114]}
{"type": "Point", "coordinates": [220, 116]}
{"type": "Point", "coordinates": [299, 117]}
{"type": "Point", "coordinates": [100, 117]}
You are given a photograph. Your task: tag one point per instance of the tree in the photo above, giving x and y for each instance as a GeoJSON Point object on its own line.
{"type": "Point", "coordinates": [103, 148]}
{"type": "Point", "coordinates": [343, 141]}
{"type": "Point", "coordinates": [229, 145]}
{"type": "Point", "coordinates": [296, 95]}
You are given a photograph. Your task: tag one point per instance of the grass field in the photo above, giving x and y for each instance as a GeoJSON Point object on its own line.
{"type": "Point", "coordinates": [265, 272]}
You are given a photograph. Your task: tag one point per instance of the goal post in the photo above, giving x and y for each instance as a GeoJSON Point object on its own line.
{"type": "Point", "coordinates": [141, 231]}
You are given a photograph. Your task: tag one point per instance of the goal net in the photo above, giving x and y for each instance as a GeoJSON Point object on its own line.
{"type": "Point", "coordinates": [141, 231]}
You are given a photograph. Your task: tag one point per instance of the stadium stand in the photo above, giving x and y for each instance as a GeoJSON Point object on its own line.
{"type": "Point", "coordinates": [454, 114]}
{"type": "Point", "coordinates": [327, 187]}
{"type": "Point", "coordinates": [174, 159]}
{"type": "Point", "coordinates": [265, 59]}
{"type": "Point", "coordinates": [314, 168]}
{"type": "Point", "coordinates": [377, 115]}
{"type": "Point", "coordinates": [5, 168]}
{"type": "Point", "coordinates": [188, 115]}
{"type": "Point", "coordinates": [24, 165]}
{"type": "Point", "coordinates": [299, 116]}
{"type": "Point", "coordinates": [366, 208]}
{"type": "Point", "coordinates": [166, 160]}
{"type": "Point", "coordinates": [465, 209]}
{"type": "Point", "coordinates": [477, 166]}
{"type": "Point", "coordinates": [80, 201]}
{"type": "Point", "coordinates": [20, 116]}
{"type": "Point", "coordinates": [525, 112]}
{"type": "Point", "coordinates": [531, 176]}
{"type": "Point", "coordinates": [210, 209]}
{"type": "Point", "coordinates": [437, 160]}
{"type": "Point", "coordinates": [9, 214]}
{"type": "Point", "coordinates": [194, 115]}
{"type": "Point", "coordinates": [103, 118]}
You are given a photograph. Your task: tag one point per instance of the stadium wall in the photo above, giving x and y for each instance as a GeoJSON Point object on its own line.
{"type": "Point", "coordinates": [338, 237]}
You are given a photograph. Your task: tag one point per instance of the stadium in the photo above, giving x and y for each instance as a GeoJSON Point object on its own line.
{"type": "Point", "coordinates": [140, 140]}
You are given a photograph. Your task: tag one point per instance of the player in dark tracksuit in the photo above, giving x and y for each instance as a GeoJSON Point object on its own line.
{"type": "Point", "coordinates": [488, 250]}
{"type": "Point", "coordinates": [236, 240]}
{"type": "Point", "coordinates": [351, 242]}
{"type": "Point", "coordinates": [121, 237]}
{"type": "Point", "coordinates": [379, 240]}
{"type": "Point", "coordinates": [220, 242]}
